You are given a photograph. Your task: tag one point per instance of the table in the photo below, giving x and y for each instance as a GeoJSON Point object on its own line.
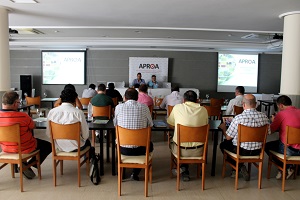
{"type": "Point", "coordinates": [52, 100]}
{"type": "Point", "coordinates": [213, 126]}
{"type": "Point", "coordinates": [23, 106]}
{"type": "Point", "coordinates": [268, 104]}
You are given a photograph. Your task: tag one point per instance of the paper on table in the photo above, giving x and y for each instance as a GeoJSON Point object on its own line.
{"type": "Point", "coordinates": [40, 119]}
{"type": "Point", "coordinates": [99, 121]}
{"type": "Point", "coordinates": [158, 123]}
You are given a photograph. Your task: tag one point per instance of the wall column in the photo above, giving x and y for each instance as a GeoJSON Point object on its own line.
{"type": "Point", "coordinates": [290, 70]}
{"type": "Point", "coordinates": [4, 53]}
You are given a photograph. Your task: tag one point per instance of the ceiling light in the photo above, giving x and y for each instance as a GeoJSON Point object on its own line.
{"type": "Point", "coordinates": [23, 1]}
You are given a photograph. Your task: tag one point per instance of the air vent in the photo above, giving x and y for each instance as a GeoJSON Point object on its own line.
{"type": "Point", "coordinates": [29, 31]}
{"type": "Point", "coordinates": [250, 36]}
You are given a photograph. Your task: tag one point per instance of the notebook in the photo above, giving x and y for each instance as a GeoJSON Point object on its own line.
{"type": "Point", "coordinates": [159, 123]}
{"type": "Point", "coordinates": [99, 121]}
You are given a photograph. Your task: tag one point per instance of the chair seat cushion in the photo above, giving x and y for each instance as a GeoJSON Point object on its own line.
{"type": "Point", "coordinates": [15, 156]}
{"type": "Point", "coordinates": [187, 158]}
{"type": "Point", "coordinates": [135, 159]}
{"type": "Point", "coordinates": [241, 157]}
{"type": "Point", "coordinates": [73, 154]}
{"type": "Point", "coordinates": [279, 155]}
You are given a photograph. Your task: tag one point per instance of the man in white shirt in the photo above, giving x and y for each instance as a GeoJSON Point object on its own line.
{"type": "Point", "coordinates": [237, 101]}
{"type": "Point", "coordinates": [90, 92]}
{"type": "Point", "coordinates": [67, 113]}
{"type": "Point", "coordinates": [172, 99]}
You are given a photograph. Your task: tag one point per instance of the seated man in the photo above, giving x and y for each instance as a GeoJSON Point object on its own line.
{"type": "Point", "coordinates": [133, 115]}
{"type": "Point", "coordinates": [138, 81]}
{"type": "Point", "coordinates": [111, 92]}
{"type": "Point", "coordinates": [153, 83]}
{"type": "Point", "coordinates": [252, 118]}
{"type": "Point", "coordinates": [10, 115]}
{"type": "Point", "coordinates": [237, 101]}
{"type": "Point", "coordinates": [101, 99]}
{"type": "Point", "coordinates": [172, 99]}
{"type": "Point", "coordinates": [90, 92]}
{"type": "Point", "coordinates": [144, 98]}
{"type": "Point", "coordinates": [78, 103]}
{"type": "Point", "coordinates": [67, 113]}
{"type": "Point", "coordinates": [288, 115]}
{"type": "Point", "coordinates": [188, 113]}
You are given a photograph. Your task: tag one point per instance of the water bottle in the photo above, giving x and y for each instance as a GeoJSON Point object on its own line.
{"type": "Point", "coordinates": [90, 112]}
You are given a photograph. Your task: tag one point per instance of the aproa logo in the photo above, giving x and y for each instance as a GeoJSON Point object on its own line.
{"type": "Point", "coordinates": [149, 66]}
{"type": "Point", "coordinates": [246, 61]}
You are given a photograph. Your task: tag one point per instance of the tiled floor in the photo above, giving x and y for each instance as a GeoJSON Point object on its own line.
{"type": "Point", "coordinates": [162, 187]}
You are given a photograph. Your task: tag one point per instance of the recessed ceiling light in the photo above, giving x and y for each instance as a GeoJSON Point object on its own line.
{"type": "Point", "coordinates": [56, 31]}
{"type": "Point", "coordinates": [23, 1]}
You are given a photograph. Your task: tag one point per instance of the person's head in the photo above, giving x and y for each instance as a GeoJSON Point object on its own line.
{"type": "Point", "coordinates": [111, 86]}
{"type": "Point", "coordinates": [101, 88]}
{"type": "Point", "coordinates": [139, 76]}
{"type": "Point", "coordinates": [92, 86]}
{"type": "Point", "coordinates": [190, 95]}
{"type": "Point", "coordinates": [249, 101]}
{"type": "Point", "coordinates": [10, 100]}
{"type": "Point", "coordinates": [239, 90]}
{"type": "Point", "coordinates": [68, 96]}
{"type": "Point", "coordinates": [131, 94]}
{"type": "Point", "coordinates": [136, 85]}
{"type": "Point", "coordinates": [143, 88]}
{"type": "Point", "coordinates": [70, 86]}
{"type": "Point", "coordinates": [175, 88]}
{"type": "Point", "coordinates": [153, 78]}
{"type": "Point", "coordinates": [283, 101]}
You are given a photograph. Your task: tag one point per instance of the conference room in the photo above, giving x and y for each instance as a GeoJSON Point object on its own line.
{"type": "Point", "coordinates": [193, 49]}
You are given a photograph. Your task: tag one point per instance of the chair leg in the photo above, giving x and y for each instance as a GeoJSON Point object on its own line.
{"type": "Point", "coordinates": [249, 169]}
{"type": "Point", "coordinates": [61, 167]}
{"type": "Point", "coordinates": [236, 175]}
{"type": "Point", "coordinates": [203, 176]}
{"type": "Point", "coordinates": [260, 174]}
{"type": "Point", "coordinates": [120, 172]}
{"type": "Point", "coordinates": [171, 166]}
{"type": "Point", "coordinates": [178, 176]}
{"type": "Point", "coordinates": [21, 177]}
{"type": "Point", "coordinates": [283, 176]}
{"type": "Point", "coordinates": [12, 169]}
{"type": "Point", "coordinates": [78, 172]}
{"type": "Point", "coordinates": [54, 172]}
{"type": "Point", "coordinates": [146, 181]}
{"type": "Point", "coordinates": [38, 158]}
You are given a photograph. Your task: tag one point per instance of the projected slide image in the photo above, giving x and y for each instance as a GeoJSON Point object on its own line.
{"type": "Point", "coordinates": [226, 68]}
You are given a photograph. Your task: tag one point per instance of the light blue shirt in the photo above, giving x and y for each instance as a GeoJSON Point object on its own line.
{"type": "Point", "coordinates": [153, 85]}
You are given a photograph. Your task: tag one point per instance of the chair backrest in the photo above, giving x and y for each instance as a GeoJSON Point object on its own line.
{"type": "Point", "coordinates": [237, 110]}
{"type": "Point", "coordinates": [193, 134]}
{"type": "Point", "coordinates": [157, 101]}
{"type": "Point", "coordinates": [85, 101]}
{"type": "Point", "coordinates": [64, 131]}
{"type": "Point", "coordinates": [214, 112]}
{"type": "Point", "coordinates": [216, 102]}
{"type": "Point", "coordinates": [11, 133]}
{"type": "Point", "coordinates": [102, 111]}
{"type": "Point", "coordinates": [292, 135]}
{"type": "Point", "coordinates": [33, 100]}
{"type": "Point", "coordinates": [115, 100]}
{"type": "Point", "coordinates": [138, 137]}
{"type": "Point", "coordinates": [170, 108]}
{"type": "Point", "coordinates": [252, 134]}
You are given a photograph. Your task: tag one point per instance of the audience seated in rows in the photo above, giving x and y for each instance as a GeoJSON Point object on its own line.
{"type": "Point", "coordinates": [172, 99]}
{"type": "Point", "coordinates": [239, 94]}
{"type": "Point", "coordinates": [90, 92]}
{"type": "Point", "coordinates": [144, 98]}
{"type": "Point", "coordinates": [78, 103]}
{"type": "Point", "coordinates": [111, 92]}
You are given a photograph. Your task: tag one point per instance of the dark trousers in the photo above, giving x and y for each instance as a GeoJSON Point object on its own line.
{"type": "Point", "coordinates": [227, 144]}
{"type": "Point", "coordinates": [135, 152]}
{"type": "Point", "coordinates": [45, 149]}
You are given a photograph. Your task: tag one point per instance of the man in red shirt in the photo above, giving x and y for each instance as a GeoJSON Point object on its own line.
{"type": "Point", "coordinates": [9, 115]}
{"type": "Point", "coordinates": [288, 115]}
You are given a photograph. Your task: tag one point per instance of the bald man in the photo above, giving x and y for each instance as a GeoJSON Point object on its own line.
{"type": "Point", "coordinates": [249, 117]}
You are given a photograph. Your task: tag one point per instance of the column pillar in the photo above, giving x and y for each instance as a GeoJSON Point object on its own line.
{"type": "Point", "coordinates": [4, 53]}
{"type": "Point", "coordinates": [290, 69]}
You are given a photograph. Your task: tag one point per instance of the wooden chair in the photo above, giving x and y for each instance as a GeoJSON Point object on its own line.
{"type": "Point", "coordinates": [214, 112]}
{"type": "Point", "coordinates": [150, 109]}
{"type": "Point", "coordinates": [216, 102]}
{"type": "Point", "coordinates": [237, 110]}
{"type": "Point", "coordinates": [156, 102]}
{"type": "Point", "coordinates": [68, 132]}
{"type": "Point", "coordinates": [190, 134]}
{"type": "Point", "coordinates": [115, 100]}
{"type": "Point", "coordinates": [292, 137]}
{"type": "Point", "coordinates": [247, 134]}
{"type": "Point", "coordinates": [170, 108]}
{"type": "Point", "coordinates": [138, 137]}
{"type": "Point", "coordinates": [100, 111]}
{"type": "Point", "coordinates": [85, 101]}
{"type": "Point", "coordinates": [12, 134]}
{"type": "Point", "coordinates": [33, 101]}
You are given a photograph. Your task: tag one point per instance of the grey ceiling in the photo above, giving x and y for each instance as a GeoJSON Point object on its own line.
{"type": "Point", "coordinates": [185, 25]}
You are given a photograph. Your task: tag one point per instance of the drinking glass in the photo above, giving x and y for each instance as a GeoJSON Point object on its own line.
{"type": "Point", "coordinates": [45, 94]}
{"type": "Point", "coordinates": [38, 112]}
{"type": "Point", "coordinates": [226, 102]}
{"type": "Point", "coordinates": [207, 96]}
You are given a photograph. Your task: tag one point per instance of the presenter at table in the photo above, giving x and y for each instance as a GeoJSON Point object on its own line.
{"type": "Point", "coordinates": [153, 83]}
{"type": "Point", "coordinates": [138, 81]}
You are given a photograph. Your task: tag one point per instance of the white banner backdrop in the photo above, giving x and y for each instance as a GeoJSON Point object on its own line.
{"type": "Point", "coordinates": [148, 67]}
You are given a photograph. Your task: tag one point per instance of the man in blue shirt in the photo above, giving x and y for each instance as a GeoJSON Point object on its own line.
{"type": "Point", "coordinates": [153, 83]}
{"type": "Point", "coordinates": [138, 81]}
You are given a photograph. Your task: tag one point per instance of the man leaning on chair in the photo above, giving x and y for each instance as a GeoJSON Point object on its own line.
{"type": "Point", "coordinates": [252, 118]}
{"type": "Point", "coordinates": [10, 115]}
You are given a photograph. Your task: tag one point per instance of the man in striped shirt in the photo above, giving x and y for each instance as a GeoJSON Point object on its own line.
{"type": "Point", "coordinates": [133, 115]}
{"type": "Point", "coordinates": [9, 115]}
